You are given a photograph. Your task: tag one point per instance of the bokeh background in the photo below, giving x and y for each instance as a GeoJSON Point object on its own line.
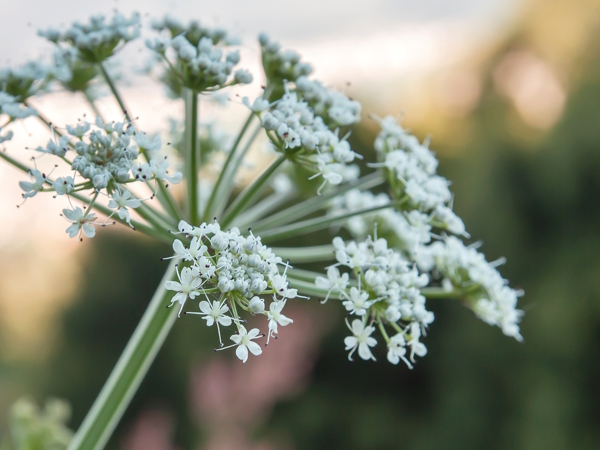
{"type": "Point", "coordinates": [510, 92]}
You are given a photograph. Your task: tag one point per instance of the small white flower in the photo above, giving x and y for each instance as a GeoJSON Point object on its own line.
{"type": "Point", "coordinates": [148, 143]}
{"type": "Point", "coordinates": [242, 76]}
{"type": "Point", "coordinates": [334, 281]}
{"type": "Point", "coordinates": [35, 185]}
{"type": "Point", "coordinates": [81, 223]}
{"type": "Point", "coordinates": [63, 185]}
{"type": "Point", "coordinates": [361, 339]}
{"type": "Point", "coordinates": [188, 286]}
{"type": "Point", "coordinates": [259, 104]}
{"type": "Point", "coordinates": [256, 305]}
{"type": "Point", "coordinates": [159, 169]}
{"type": "Point", "coordinates": [397, 350]}
{"type": "Point", "coordinates": [215, 313]}
{"type": "Point", "coordinates": [357, 302]}
{"type": "Point", "coordinates": [416, 347]}
{"type": "Point", "coordinates": [122, 201]}
{"type": "Point", "coordinates": [276, 318]}
{"type": "Point", "coordinates": [244, 343]}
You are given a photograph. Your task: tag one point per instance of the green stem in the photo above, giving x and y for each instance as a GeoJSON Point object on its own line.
{"type": "Point", "coordinates": [168, 202]}
{"type": "Point", "coordinates": [129, 371]}
{"type": "Point", "coordinates": [92, 104]}
{"type": "Point", "coordinates": [252, 191]}
{"type": "Point", "coordinates": [307, 288]}
{"type": "Point", "coordinates": [316, 224]}
{"type": "Point", "coordinates": [218, 189]}
{"type": "Point", "coordinates": [237, 162]}
{"type": "Point", "coordinates": [298, 255]}
{"type": "Point", "coordinates": [316, 203]}
{"type": "Point", "coordinates": [113, 89]}
{"type": "Point", "coordinates": [192, 155]}
{"type": "Point", "coordinates": [432, 293]}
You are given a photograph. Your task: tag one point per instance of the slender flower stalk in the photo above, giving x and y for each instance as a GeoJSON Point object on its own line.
{"type": "Point", "coordinates": [193, 157]}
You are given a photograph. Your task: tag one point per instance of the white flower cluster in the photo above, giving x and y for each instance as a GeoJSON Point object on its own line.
{"type": "Point", "coordinates": [193, 32]}
{"type": "Point", "coordinates": [24, 81]}
{"type": "Point", "coordinates": [281, 65]}
{"type": "Point", "coordinates": [202, 66]}
{"type": "Point", "coordinates": [108, 155]}
{"type": "Point", "coordinates": [414, 167]}
{"type": "Point", "coordinates": [464, 271]}
{"type": "Point", "coordinates": [488, 294]}
{"type": "Point", "coordinates": [407, 231]}
{"type": "Point", "coordinates": [106, 160]}
{"type": "Point", "coordinates": [12, 108]}
{"type": "Point", "coordinates": [73, 74]}
{"type": "Point", "coordinates": [99, 39]}
{"type": "Point", "coordinates": [387, 292]}
{"type": "Point", "coordinates": [239, 270]}
{"type": "Point", "coordinates": [293, 128]}
{"type": "Point", "coordinates": [333, 106]}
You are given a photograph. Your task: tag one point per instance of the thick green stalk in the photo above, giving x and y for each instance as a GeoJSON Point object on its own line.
{"type": "Point", "coordinates": [129, 372]}
{"type": "Point", "coordinates": [249, 194]}
{"type": "Point", "coordinates": [192, 163]}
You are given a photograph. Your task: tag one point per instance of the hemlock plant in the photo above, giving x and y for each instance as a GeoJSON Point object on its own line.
{"type": "Point", "coordinates": [402, 246]}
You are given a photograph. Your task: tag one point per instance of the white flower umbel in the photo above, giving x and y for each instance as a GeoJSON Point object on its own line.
{"type": "Point", "coordinates": [98, 39]}
{"type": "Point", "coordinates": [294, 129]}
{"type": "Point", "coordinates": [333, 106]}
{"type": "Point", "coordinates": [101, 158]}
{"type": "Point", "coordinates": [239, 270]}
{"type": "Point", "coordinates": [195, 58]}
{"type": "Point", "coordinates": [387, 290]}
{"type": "Point", "coordinates": [20, 83]}
{"type": "Point", "coordinates": [281, 65]}
{"type": "Point", "coordinates": [486, 292]}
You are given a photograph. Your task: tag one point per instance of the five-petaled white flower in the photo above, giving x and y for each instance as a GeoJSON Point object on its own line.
{"type": "Point", "coordinates": [214, 313]}
{"type": "Point", "coordinates": [362, 340]}
{"type": "Point", "coordinates": [243, 340]}
{"type": "Point", "coordinates": [416, 347]}
{"type": "Point", "coordinates": [187, 286]}
{"type": "Point", "coordinates": [122, 201]}
{"type": "Point", "coordinates": [81, 223]}
{"type": "Point", "coordinates": [397, 350]}
{"type": "Point", "coordinates": [334, 281]}
{"type": "Point", "coordinates": [275, 317]}
{"type": "Point", "coordinates": [357, 302]}
{"type": "Point", "coordinates": [35, 185]}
